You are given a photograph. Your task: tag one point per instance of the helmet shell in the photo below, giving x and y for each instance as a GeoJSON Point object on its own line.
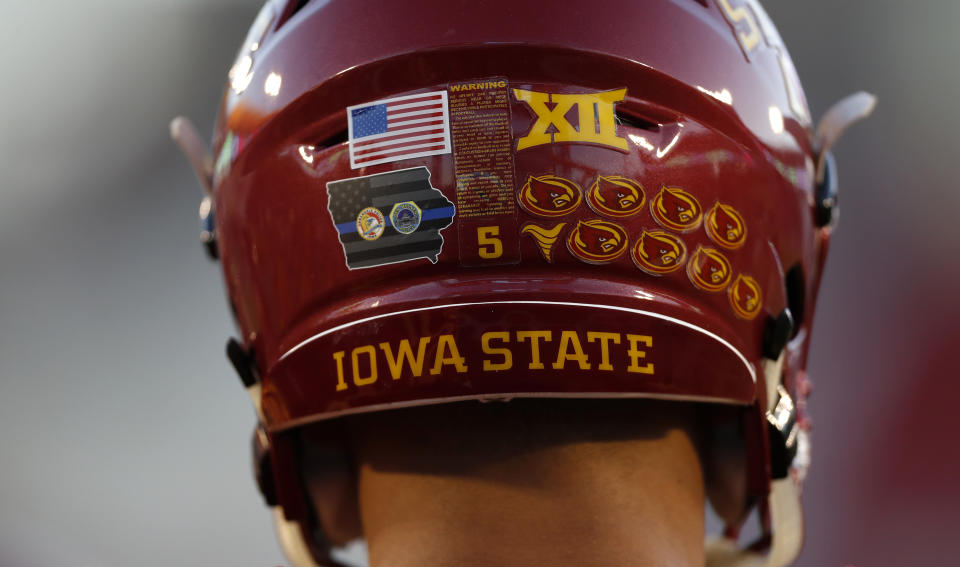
{"type": "Point", "coordinates": [636, 242]}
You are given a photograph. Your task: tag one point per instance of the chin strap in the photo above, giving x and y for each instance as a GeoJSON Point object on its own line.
{"type": "Point", "coordinates": [290, 534]}
{"type": "Point", "coordinates": [291, 540]}
{"type": "Point", "coordinates": [787, 518]}
{"type": "Point", "coordinates": [294, 545]}
{"type": "Point", "coordinates": [783, 537]}
{"type": "Point", "coordinates": [791, 454]}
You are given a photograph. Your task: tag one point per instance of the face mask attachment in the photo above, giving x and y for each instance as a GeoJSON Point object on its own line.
{"type": "Point", "coordinates": [185, 134]}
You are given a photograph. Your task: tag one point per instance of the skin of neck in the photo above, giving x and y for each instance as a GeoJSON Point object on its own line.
{"type": "Point", "coordinates": [531, 482]}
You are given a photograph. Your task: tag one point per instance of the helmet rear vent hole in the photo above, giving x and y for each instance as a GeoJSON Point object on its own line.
{"type": "Point", "coordinates": [292, 8]}
{"type": "Point", "coordinates": [796, 294]}
{"type": "Point", "coordinates": [634, 121]}
{"type": "Point", "coordinates": [334, 140]}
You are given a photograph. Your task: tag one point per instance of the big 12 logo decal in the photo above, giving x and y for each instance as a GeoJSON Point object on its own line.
{"type": "Point", "coordinates": [596, 121]}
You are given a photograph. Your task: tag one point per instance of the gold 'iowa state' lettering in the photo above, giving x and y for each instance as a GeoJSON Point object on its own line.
{"type": "Point", "coordinates": [596, 121]}
{"type": "Point", "coordinates": [440, 355]}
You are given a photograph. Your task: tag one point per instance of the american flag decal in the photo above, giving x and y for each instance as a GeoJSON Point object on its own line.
{"type": "Point", "coordinates": [398, 128]}
{"type": "Point", "coordinates": [349, 199]}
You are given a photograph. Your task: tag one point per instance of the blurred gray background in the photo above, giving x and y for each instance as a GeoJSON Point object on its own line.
{"type": "Point", "coordinates": [125, 433]}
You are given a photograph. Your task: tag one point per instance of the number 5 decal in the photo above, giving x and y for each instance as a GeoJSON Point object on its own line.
{"type": "Point", "coordinates": [489, 242]}
{"type": "Point", "coordinates": [489, 245]}
{"type": "Point", "coordinates": [748, 38]}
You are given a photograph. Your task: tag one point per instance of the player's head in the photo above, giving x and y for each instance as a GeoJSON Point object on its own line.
{"type": "Point", "coordinates": [424, 202]}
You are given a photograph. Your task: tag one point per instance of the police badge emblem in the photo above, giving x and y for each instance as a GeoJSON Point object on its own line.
{"type": "Point", "coordinates": [405, 217]}
{"type": "Point", "coordinates": [370, 223]}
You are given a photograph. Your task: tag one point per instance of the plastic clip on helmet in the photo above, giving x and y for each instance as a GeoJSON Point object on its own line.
{"type": "Point", "coordinates": [475, 206]}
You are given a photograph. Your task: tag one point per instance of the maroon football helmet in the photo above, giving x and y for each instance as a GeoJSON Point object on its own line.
{"type": "Point", "coordinates": [422, 202]}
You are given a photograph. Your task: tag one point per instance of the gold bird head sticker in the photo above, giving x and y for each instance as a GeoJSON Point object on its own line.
{"type": "Point", "coordinates": [725, 226]}
{"type": "Point", "coordinates": [708, 269]}
{"type": "Point", "coordinates": [550, 196]}
{"type": "Point", "coordinates": [616, 196]}
{"type": "Point", "coordinates": [745, 297]}
{"type": "Point", "coordinates": [597, 241]}
{"type": "Point", "coordinates": [658, 252]}
{"type": "Point", "coordinates": [675, 209]}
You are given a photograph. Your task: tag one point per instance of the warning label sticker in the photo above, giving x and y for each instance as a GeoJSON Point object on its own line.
{"type": "Point", "coordinates": [480, 126]}
{"type": "Point", "coordinates": [483, 158]}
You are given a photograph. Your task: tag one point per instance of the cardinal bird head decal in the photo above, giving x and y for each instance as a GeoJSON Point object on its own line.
{"type": "Point", "coordinates": [597, 241]}
{"type": "Point", "coordinates": [550, 196]}
{"type": "Point", "coordinates": [616, 196]}
{"type": "Point", "coordinates": [745, 297]}
{"type": "Point", "coordinates": [658, 252]}
{"type": "Point", "coordinates": [675, 209]}
{"type": "Point", "coordinates": [725, 226]}
{"type": "Point", "coordinates": [709, 270]}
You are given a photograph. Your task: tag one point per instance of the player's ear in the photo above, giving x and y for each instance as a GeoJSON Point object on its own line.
{"type": "Point", "coordinates": [329, 477]}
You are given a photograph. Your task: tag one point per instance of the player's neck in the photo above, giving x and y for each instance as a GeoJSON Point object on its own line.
{"type": "Point", "coordinates": [560, 485]}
